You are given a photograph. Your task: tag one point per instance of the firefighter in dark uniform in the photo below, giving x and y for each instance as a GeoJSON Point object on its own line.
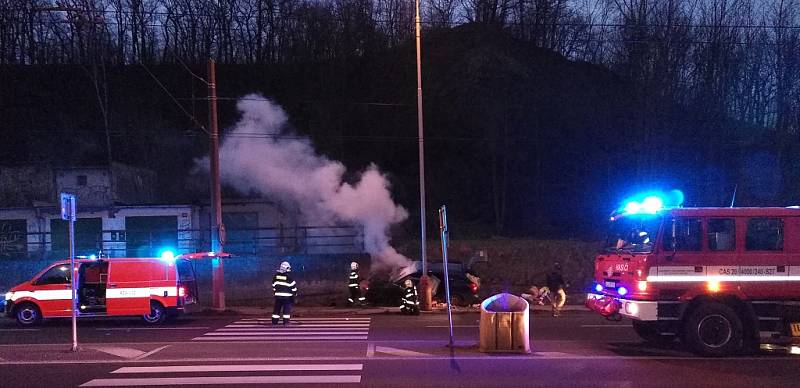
{"type": "Point", "coordinates": [354, 286]}
{"type": "Point", "coordinates": [285, 289]}
{"type": "Point", "coordinates": [556, 285]}
{"type": "Point", "coordinates": [410, 299]}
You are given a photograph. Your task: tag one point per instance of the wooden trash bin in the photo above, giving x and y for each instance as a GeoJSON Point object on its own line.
{"type": "Point", "coordinates": [504, 325]}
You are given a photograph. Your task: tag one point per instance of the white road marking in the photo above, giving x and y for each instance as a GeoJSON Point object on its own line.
{"type": "Point", "coordinates": [261, 329]}
{"type": "Point", "coordinates": [370, 350]}
{"type": "Point", "coordinates": [254, 338]}
{"type": "Point", "coordinates": [279, 332]}
{"type": "Point", "coordinates": [307, 325]}
{"type": "Point", "coordinates": [150, 353]}
{"type": "Point", "coordinates": [625, 326]}
{"type": "Point", "coordinates": [399, 352]}
{"type": "Point", "coordinates": [687, 358]}
{"type": "Point", "coordinates": [453, 326]}
{"type": "Point", "coordinates": [551, 354]}
{"type": "Point", "coordinates": [335, 379]}
{"type": "Point", "coordinates": [285, 329]}
{"type": "Point", "coordinates": [237, 368]}
{"type": "Point", "coordinates": [118, 351]}
{"type": "Point", "coordinates": [151, 328]}
{"type": "Point", "coordinates": [311, 319]}
{"type": "Point", "coordinates": [20, 329]}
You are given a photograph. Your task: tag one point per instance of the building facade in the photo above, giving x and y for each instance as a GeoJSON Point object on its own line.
{"type": "Point", "coordinates": [118, 216]}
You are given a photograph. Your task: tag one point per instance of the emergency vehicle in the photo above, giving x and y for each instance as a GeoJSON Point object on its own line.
{"type": "Point", "coordinates": [721, 280]}
{"type": "Point", "coordinates": [154, 288]}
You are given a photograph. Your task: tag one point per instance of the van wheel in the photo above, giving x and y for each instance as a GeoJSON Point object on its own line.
{"type": "Point", "coordinates": [649, 332]}
{"type": "Point", "coordinates": [157, 314]}
{"type": "Point", "coordinates": [27, 314]}
{"type": "Point", "coordinates": [714, 329]}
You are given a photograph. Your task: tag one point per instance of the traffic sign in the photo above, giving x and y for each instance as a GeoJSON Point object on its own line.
{"type": "Point", "coordinates": [68, 207]}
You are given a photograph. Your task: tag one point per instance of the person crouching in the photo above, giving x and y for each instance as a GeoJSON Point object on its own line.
{"type": "Point", "coordinates": [410, 299]}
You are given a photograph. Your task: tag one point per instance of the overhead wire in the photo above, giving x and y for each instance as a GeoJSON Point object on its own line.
{"type": "Point", "coordinates": [164, 88]}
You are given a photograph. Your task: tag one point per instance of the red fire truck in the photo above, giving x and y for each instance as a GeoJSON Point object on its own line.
{"type": "Point", "coordinates": [721, 280]}
{"type": "Point", "coordinates": [154, 288]}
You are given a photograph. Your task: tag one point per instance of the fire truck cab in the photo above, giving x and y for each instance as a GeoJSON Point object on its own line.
{"type": "Point", "coordinates": [721, 280]}
{"type": "Point", "coordinates": [154, 288]}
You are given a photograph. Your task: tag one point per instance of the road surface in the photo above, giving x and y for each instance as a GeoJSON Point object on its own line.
{"type": "Point", "coordinates": [381, 350]}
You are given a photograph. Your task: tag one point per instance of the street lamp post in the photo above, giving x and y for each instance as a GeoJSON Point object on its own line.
{"type": "Point", "coordinates": [423, 281]}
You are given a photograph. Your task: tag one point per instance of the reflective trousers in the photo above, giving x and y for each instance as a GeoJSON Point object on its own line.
{"type": "Point", "coordinates": [355, 296]}
{"type": "Point", "coordinates": [283, 309]}
{"type": "Point", "coordinates": [559, 299]}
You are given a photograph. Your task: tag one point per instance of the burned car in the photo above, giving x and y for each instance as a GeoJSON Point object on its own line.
{"type": "Point", "coordinates": [464, 285]}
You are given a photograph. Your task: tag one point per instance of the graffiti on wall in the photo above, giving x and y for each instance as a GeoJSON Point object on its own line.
{"type": "Point", "coordinates": [184, 231]}
{"type": "Point", "coordinates": [13, 237]}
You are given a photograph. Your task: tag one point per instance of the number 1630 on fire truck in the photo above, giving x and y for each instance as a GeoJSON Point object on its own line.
{"type": "Point", "coordinates": [721, 280]}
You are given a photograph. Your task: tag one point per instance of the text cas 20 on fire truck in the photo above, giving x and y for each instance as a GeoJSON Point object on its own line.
{"type": "Point", "coordinates": [152, 288]}
{"type": "Point", "coordinates": [723, 279]}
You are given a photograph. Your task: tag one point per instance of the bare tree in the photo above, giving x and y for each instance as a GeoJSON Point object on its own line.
{"type": "Point", "coordinates": [440, 13]}
{"type": "Point", "coordinates": [493, 12]}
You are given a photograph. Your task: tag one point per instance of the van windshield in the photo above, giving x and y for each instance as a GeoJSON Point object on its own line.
{"type": "Point", "coordinates": [633, 233]}
{"type": "Point", "coordinates": [185, 270]}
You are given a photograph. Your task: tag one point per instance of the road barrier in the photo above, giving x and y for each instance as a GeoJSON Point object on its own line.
{"type": "Point", "coordinates": [504, 324]}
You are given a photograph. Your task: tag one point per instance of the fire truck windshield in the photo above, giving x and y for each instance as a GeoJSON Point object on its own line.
{"type": "Point", "coordinates": [633, 233]}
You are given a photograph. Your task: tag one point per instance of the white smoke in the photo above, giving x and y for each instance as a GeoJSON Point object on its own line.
{"type": "Point", "coordinates": [260, 154]}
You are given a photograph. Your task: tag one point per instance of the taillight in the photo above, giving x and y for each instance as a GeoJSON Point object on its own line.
{"type": "Point", "coordinates": [473, 287]}
{"type": "Point", "coordinates": [181, 291]}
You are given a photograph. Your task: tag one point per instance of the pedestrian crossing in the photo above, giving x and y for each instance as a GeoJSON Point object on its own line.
{"type": "Point", "coordinates": [227, 374]}
{"type": "Point", "coordinates": [300, 329]}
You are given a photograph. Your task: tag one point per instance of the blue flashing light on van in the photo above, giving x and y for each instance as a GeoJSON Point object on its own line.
{"type": "Point", "coordinates": [167, 255]}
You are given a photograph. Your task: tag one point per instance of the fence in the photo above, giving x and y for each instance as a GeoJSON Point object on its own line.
{"type": "Point", "coordinates": [248, 241]}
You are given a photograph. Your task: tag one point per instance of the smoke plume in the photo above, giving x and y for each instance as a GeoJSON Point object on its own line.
{"type": "Point", "coordinates": [260, 154]}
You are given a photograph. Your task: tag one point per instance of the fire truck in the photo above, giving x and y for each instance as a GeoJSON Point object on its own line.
{"type": "Point", "coordinates": [720, 280]}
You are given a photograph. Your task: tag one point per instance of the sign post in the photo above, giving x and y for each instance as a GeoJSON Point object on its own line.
{"type": "Point", "coordinates": [444, 232]}
{"type": "Point", "coordinates": [68, 213]}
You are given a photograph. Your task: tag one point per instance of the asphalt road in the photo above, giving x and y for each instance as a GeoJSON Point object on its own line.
{"type": "Point", "coordinates": [384, 350]}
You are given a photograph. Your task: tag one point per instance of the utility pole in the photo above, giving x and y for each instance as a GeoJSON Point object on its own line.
{"type": "Point", "coordinates": [217, 228]}
{"type": "Point", "coordinates": [424, 281]}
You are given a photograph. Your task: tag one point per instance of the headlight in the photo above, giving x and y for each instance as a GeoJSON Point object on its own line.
{"type": "Point", "coordinates": [8, 295]}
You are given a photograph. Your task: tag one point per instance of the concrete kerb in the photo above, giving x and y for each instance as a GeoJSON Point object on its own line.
{"type": "Point", "coordinates": [301, 311]}
{"type": "Point", "coordinates": [310, 311]}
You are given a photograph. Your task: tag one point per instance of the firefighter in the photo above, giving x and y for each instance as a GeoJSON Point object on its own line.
{"type": "Point", "coordinates": [410, 299]}
{"type": "Point", "coordinates": [556, 285]}
{"type": "Point", "coordinates": [285, 290]}
{"type": "Point", "coordinates": [354, 286]}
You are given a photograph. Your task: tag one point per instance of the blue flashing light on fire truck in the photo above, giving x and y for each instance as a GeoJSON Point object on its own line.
{"type": "Point", "coordinates": [721, 280]}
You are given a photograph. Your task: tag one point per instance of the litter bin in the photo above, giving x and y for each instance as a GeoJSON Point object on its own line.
{"type": "Point", "coordinates": [504, 324]}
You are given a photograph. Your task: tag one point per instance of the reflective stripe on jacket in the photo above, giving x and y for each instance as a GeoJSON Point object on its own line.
{"type": "Point", "coordinates": [354, 279]}
{"type": "Point", "coordinates": [410, 297]}
{"type": "Point", "coordinates": [283, 285]}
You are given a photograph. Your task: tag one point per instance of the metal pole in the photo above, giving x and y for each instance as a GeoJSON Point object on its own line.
{"type": "Point", "coordinates": [443, 230]}
{"type": "Point", "coordinates": [424, 280]}
{"type": "Point", "coordinates": [74, 281]}
{"type": "Point", "coordinates": [217, 268]}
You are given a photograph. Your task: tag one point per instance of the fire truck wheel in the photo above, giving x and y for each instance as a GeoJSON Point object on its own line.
{"type": "Point", "coordinates": [714, 329]}
{"type": "Point", "coordinates": [27, 314]}
{"type": "Point", "coordinates": [157, 314]}
{"type": "Point", "coordinates": [649, 332]}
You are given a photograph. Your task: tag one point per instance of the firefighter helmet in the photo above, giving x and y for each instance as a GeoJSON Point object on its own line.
{"type": "Point", "coordinates": [353, 266]}
{"type": "Point", "coordinates": [285, 267]}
